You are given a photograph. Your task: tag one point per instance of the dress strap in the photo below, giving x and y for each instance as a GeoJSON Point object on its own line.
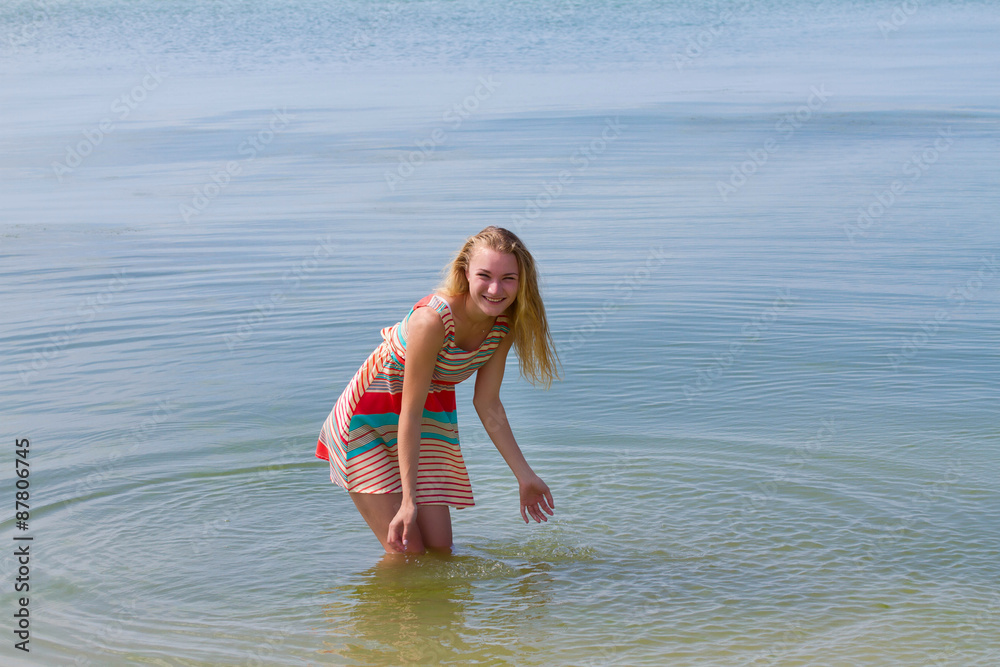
{"type": "Point", "coordinates": [442, 308]}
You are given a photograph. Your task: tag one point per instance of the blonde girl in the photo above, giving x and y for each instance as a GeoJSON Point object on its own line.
{"type": "Point", "coordinates": [392, 437]}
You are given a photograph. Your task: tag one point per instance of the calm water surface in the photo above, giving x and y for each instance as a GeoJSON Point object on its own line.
{"type": "Point", "coordinates": [769, 254]}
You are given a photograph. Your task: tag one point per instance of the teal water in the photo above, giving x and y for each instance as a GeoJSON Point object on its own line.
{"type": "Point", "coordinates": [771, 269]}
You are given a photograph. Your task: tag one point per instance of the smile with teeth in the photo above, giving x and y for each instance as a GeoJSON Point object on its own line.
{"type": "Point", "coordinates": [492, 300]}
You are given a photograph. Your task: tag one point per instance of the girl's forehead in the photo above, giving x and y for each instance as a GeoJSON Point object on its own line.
{"type": "Point", "coordinates": [493, 261]}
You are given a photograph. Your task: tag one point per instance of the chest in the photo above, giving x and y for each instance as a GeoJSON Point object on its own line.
{"type": "Point", "coordinates": [469, 341]}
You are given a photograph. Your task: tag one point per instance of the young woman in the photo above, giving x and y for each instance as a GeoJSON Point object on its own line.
{"type": "Point", "coordinates": [392, 437]}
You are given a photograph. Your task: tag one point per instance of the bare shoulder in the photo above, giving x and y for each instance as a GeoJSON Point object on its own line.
{"type": "Point", "coordinates": [447, 300]}
{"type": "Point", "coordinates": [426, 326]}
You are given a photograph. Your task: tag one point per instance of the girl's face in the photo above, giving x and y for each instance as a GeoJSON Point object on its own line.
{"type": "Point", "coordinates": [493, 280]}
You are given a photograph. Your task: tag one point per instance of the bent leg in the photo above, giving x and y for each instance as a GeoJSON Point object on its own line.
{"type": "Point", "coordinates": [435, 526]}
{"type": "Point", "coordinates": [378, 510]}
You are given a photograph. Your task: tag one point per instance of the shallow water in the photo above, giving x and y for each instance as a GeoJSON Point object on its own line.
{"type": "Point", "coordinates": [775, 442]}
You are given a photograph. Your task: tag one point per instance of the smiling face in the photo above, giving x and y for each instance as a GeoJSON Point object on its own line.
{"type": "Point", "coordinates": [493, 279]}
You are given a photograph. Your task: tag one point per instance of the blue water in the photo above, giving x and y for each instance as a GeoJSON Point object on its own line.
{"type": "Point", "coordinates": [769, 254]}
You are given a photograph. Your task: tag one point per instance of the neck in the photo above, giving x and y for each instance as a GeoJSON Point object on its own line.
{"type": "Point", "coordinates": [477, 319]}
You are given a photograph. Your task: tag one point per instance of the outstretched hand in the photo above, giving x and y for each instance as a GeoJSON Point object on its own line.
{"type": "Point", "coordinates": [535, 499]}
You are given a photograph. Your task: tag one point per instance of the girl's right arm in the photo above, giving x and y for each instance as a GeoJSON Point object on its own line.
{"type": "Point", "coordinates": [425, 335]}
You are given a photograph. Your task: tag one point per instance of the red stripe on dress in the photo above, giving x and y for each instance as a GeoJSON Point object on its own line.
{"type": "Point", "coordinates": [378, 402]}
{"type": "Point", "coordinates": [454, 473]}
{"type": "Point", "coordinates": [442, 496]}
{"type": "Point", "coordinates": [386, 485]}
{"type": "Point", "coordinates": [455, 459]}
{"type": "Point", "coordinates": [321, 451]}
{"type": "Point", "coordinates": [360, 460]}
{"type": "Point", "coordinates": [441, 464]}
{"type": "Point", "coordinates": [451, 493]}
{"type": "Point", "coordinates": [369, 476]}
{"type": "Point", "coordinates": [378, 485]}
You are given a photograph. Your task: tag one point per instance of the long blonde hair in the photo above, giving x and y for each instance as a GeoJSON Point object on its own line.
{"type": "Point", "coordinates": [532, 339]}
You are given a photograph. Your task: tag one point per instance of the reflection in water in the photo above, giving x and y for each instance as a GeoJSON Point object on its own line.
{"type": "Point", "coordinates": [439, 609]}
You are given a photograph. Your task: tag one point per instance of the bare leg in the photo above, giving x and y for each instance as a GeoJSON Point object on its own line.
{"type": "Point", "coordinates": [433, 521]}
{"type": "Point", "coordinates": [378, 509]}
{"type": "Point", "coordinates": [435, 527]}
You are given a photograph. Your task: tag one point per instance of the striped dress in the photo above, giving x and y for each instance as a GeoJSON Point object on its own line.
{"type": "Point", "coordinates": [359, 436]}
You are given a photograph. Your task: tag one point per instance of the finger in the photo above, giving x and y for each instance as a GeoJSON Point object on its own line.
{"type": "Point", "coordinates": [537, 508]}
{"type": "Point", "coordinates": [523, 515]}
{"type": "Point", "coordinates": [548, 497]}
{"type": "Point", "coordinates": [397, 536]}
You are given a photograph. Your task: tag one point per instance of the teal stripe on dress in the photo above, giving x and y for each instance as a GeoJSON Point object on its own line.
{"type": "Point", "coordinates": [374, 419]}
{"type": "Point", "coordinates": [364, 448]}
{"type": "Point", "coordinates": [383, 419]}
{"type": "Point", "coordinates": [449, 417]}
{"type": "Point", "coordinates": [391, 442]}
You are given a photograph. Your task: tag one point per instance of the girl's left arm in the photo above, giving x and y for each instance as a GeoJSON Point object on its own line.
{"type": "Point", "coordinates": [536, 499]}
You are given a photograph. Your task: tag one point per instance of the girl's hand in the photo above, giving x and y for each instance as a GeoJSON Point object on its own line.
{"type": "Point", "coordinates": [535, 497]}
{"type": "Point", "coordinates": [402, 526]}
